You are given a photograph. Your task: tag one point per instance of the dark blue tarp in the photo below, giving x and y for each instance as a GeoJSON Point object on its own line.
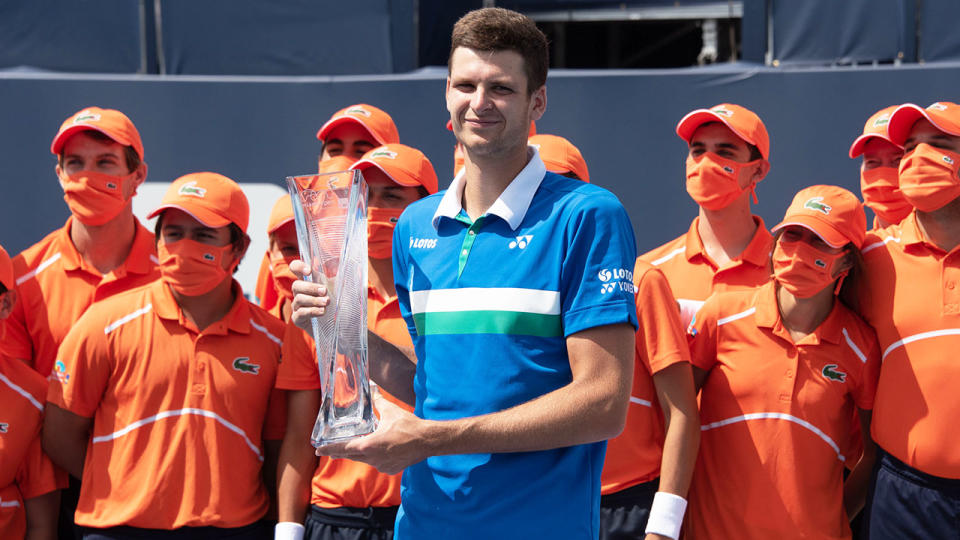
{"type": "Point", "coordinates": [79, 36]}
{"type": "Point", "coordinates": [939, 38]}
{"type": "Point", "coordinates": [292, 37]}
{"type": "Point", "coordinates": [848, 31]}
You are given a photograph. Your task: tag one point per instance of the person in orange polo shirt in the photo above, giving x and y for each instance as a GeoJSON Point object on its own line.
{"type": "Point", "coordinates": [781, 369]}
{"type": "Point", "coordinates": [878, 172]}
{"type": "Point", "coordinates": [726, 248]}
{"type": "Point", "coordinates": [560, 156]}
{"type": "Point", "coordinates": [29, 484]}
{"type": "Point", "coordinates": [355, 130]}
{"type": "Point", "coordinates": [164, 395]}
{"type": "Point", "coordinates": [350, 499]}
{"type": "Point", "coordinates": [912, 299]}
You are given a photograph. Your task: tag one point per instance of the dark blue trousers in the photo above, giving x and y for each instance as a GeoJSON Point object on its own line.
{"type": "Point", "coordinates": [904, 503]}
{"type": "Point", "coordinates": [260, 530]}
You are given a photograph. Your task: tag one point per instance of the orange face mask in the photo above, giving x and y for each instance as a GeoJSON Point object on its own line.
{"type": "Point", "coordinates": [929, 177]}
{"type": "Point", "coordinates": [193, 268]}
{"type": "Point", "coordinates": [283, 277]}
{"type": "Point", "coordinates": [380, 225]}
{"type": "Point", "coordinates": [881, 192]}
{"type": "Point", "coordinates": [94, 198]}
{"type": "Point", "coordinates": [713, 182]}
{"type": "Point", "coordinates": [802, 269]}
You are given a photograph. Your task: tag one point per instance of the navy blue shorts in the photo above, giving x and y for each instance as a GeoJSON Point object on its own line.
{"type": "Point", "coordinates": [906, 503]}
{"type": "Point", "coordinates": [375, 523]}
{"type": "Point", "coordinates": [624, 514]}
{"type": "Point", "coordinates": [256, 531]}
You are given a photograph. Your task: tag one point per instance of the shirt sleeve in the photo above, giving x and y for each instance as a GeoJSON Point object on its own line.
{"type": "Point", "coordinates": [660, 339]}
{"type": "Point", "coordinates": [596, 287]}
{"type": "Point", "coordinates": [83, 368]}
{"type": "Point", "coordinates": [16, 342]}
{"type": "Point", "coordinates": [37, 475]}
{"type": "Point", "coordinates": [298, 370]}
{"type": "Point", "coordinates": [702, 335]}
{"type": "Point", "coordinates": [401, 272]}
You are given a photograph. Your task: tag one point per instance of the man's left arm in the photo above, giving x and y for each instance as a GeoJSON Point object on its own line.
{"type": "Point", "coordinates": [592, 407]}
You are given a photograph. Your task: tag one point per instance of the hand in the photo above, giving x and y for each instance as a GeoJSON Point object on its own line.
{"type": "Point", "coordinates": [309, 299]}
{"type": "Point", "coordinates": [397, 443]}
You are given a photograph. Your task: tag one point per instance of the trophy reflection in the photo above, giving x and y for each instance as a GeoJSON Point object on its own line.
{"type": "Point", "coordinates": [330, 211]}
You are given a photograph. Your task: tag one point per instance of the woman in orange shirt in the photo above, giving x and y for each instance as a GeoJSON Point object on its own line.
{"type": "Point", "coordinates": [782, 369]}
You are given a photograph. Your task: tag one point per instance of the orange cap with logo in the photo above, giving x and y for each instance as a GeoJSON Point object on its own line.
{"type": "Point", "coordinates": [742, 121]}
{"type": "Point", "coordinates": [281, 214]}
{"type": "Point", "coordinates": [560, 155]}
{"type": "Point", "coordinates": [211, 198]}
{"type": "Point", "coordinates": [404, 165]}
{"type": "Point", "coordinates": [876, 126]}
{"type": "Point", "coordinates": [336, 164]}
{"type": "Point", "coordinates": [113, 124]}
{"type": "Point", "coordinates": [6, 269]}
{"type": "Point", "coordinates": [831, 212]}
{"type": "Point", "coordinates": [944, 115]}
{"type": "Point", "coordinates": [378, 123]}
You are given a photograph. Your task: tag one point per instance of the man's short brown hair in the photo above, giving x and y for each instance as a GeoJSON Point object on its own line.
{"type": "Point", "coordinates": [498, 29]}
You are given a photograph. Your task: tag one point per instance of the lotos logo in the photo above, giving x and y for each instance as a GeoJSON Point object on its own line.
{"type": "Point", "coordinates": [4, 427]}
{"type": "Point", "coordinates": [616, 278]}
{"type": "Point", "coordinates": [816, 203]}
{"type": "Point", "coordinates": [423, 243]}
{"type": "Point", "coordinates": [243, 365]}
{"type": "Point", "coordinates": [86, 116]}
{"type": "Point", "coordinates": [722, 111]}
{"type": "Point", "coordinates": [604, 275]}
{"type": "Point", "coordinates": [357, 110]}
{"type": "Point", "coordinates": [948, 160]}
{"type": "Point", "coordinates": [521, 241]}
{"type": "Point", "coordinates": [882, 121]}
{"type": "Point", "coordinates": [388, 154]}
{"type": "Point", "coordinates": [831, 373]}
{"type": "Point", "coordinates": [937, 106]}
{"type": "Point", "coordinates": [190, 188]}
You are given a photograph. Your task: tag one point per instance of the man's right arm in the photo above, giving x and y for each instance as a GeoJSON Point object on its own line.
{"type": "Point", "coordinates": [65, 438]}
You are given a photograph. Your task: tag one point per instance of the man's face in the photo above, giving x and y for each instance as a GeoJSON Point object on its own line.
{"type": "Point", "coordinates": [925, 132]}
{"type": "Point", "coordinates": [178, 225]}
{"type": "Point", "coordinates": [722, 141]}
{"type": "Point", "coordinates": [489, 105]}
{"type": "Point", "coordinates": [84, 153]}
{"type": "Point", "coordinates": [385, 193]}
{"type": "Point", "coordinates": [881, 153]}
{"type": "Point", "coordinates": [350, 139]}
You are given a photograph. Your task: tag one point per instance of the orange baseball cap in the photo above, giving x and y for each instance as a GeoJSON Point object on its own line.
{"type": "Point", "coordinates": [281, 214]}
{"type": "Point", "coordinates": [337, 164]}
{"type": "Point", "coordinates": [211, 198]}
{"type": "Point", "coordinates": [404, 165]}
{"type": "Point", "coordinates": [113, 124]}
{"type": "Point", "coordinates": [876, 126]}
{"type": "Point", "coordinates": [377, 122]}
{"type": "Point", "coordinates": [944, 115]}
{"type": "Point", "coordinates": [742, 121]}
{"type": "Point", "coordinates": [831, 212]}
{"type": "Point", "coordinates": [533, 128]}
{"type": "Point", "coordinates": [560, 155]}
{"type": "Point", "coordinates": [6, 269]}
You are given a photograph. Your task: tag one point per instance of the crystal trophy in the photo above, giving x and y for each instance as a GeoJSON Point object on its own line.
{"type": "Point", "coordinates": [330, 211]}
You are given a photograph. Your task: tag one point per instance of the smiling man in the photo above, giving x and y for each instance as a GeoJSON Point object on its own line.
{"type": "Point", "coordinates": [522, 323]}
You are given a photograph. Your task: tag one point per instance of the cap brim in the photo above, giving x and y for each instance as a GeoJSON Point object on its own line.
{"type": "Point", "coordinates": [58, 141]}
{"type": "Point", "coordinates": [364, 164]}
{"type": "Point", "coordinates": [274, 226]}
{"type": "Point", "coordinates": [827, 232]}
{"type": "Point", "coordinates": [333, 123]}
{"type": "Point", "coordinates": [689, 124]}
{"type": "Point", "coordinates": [202, 215]}
{"type": "Point", "coordinates": [856, 149]}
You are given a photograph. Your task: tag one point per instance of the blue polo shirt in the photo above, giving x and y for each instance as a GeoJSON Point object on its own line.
{"type": "Point", "coordinates": [489, 304]}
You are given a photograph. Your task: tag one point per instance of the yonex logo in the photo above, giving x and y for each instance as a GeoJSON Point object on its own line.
{"type": "Point", "coordinates": [882, 121]}
{"type": "Point", "coordinates": [722, 111]}
{"type": "Point", "coordinates": [4, 427]}
{"type": "Point", "coordinates": [243, 365]}
{"type": "Point", "coordinates": [521, 241]}
{"type": "Point", "coordinates": [86, 116]}
{"type": "Point", "coordinates": [384, 154]}
{"type": "Point", "coordinates": [423, 243]}
{"type": "Point", "coordinates": [832, 373]}
{"type": "Point", "coordinates": [616, 278]}
{"type": "Point", "coordinates": [190, 188]}
{"type": "Point", "coordinates": [358, 110]}
{"type": "Point", "coordinates": [608, 287]}
{"type": "Point", "coordinates": [948, 160]}
{"type": "Point", "coordinates": [209, 257]}
{"type": "Point", "coordinates": [727, 169]}
{"type": "Point", "coordinates": [816, 203]}
{"type": "Point", "coordinates": [938, 106]}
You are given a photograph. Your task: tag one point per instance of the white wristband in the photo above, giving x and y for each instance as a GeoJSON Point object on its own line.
{"type": "Point", "coordinates": [288, 530]}
{"type": "Point", "coordinates": [666, 515]}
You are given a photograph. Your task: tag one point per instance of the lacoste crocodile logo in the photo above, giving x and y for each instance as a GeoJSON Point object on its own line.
{"type": "Point", "coordinates": [816, 203]}
{"type": "Point", "coordinates": [831, 373]}
{"type": "Point", "coordinates": [190, 188]}
{"type": "Point", "coordinates": [243, 365]}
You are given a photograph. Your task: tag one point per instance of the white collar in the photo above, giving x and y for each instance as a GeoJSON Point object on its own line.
{"type": "Point", "coordinates": [511, 205]}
